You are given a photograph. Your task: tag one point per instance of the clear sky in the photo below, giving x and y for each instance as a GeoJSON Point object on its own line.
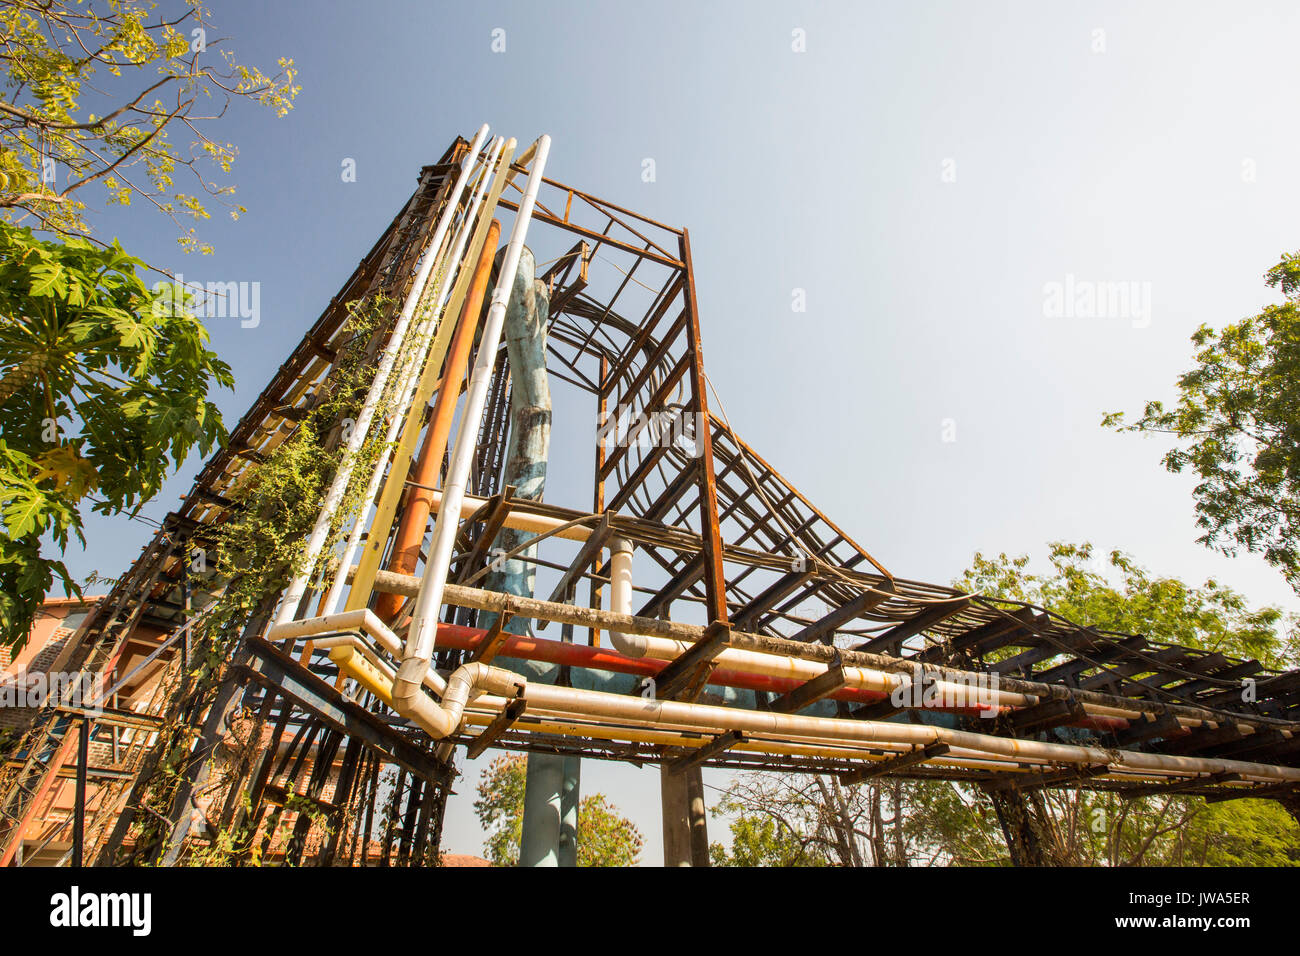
{"type": "Point", "coordinates": [925, 172]}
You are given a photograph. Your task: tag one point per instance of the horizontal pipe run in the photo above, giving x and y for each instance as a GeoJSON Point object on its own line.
{"type": "Point", "coordinates": [1010, 692]}
{"type": "Point", "coordinates": [763, 675]}
{"type": "Point", "coordinates": [1095, 702]}
{"type": "Point", "coordinates": [442, 720]}
{"type": "Point", "coordinates": [720, 719]}
{"type": "Point", "coordinates": [578, 724]}
{"type": "Point", "coordinates": [670, 639]}
{"type": "Point", "coordinates": [656, 728]}
{"type": "Point", "coordinates": [660, 715]}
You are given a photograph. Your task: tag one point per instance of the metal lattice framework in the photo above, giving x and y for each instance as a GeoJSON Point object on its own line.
{"type": "Point", "coordinates": [731, 560]}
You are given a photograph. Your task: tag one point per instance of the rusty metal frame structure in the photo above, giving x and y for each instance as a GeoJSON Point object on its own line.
{"type": "Point", "coordinates": [736, 546]}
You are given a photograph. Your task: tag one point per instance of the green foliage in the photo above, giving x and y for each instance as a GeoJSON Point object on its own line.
{"type": "Point", "coordinates": [99, 90]}
{"type": "Point", "coordinates": [950, 823]}
{"type": "Point", "coordinates": [1212, 616]}
{"type": "Point", "coordinates": [1244, 833]}
{"type": "Point", "coordinates": [500, 808]}
{"type": "Point", "coordinates": [605, 836]}
{"type": "Point", "coordinates": [797, 820]}
{"type": "Point", "coordinates": [762, 841]}
{"type": "Point", "coordinates": [103, 385]}
{"type": "Point", "coordinates": [260, 546]}
{"type": "Point", "coordinates": [1237, 424]}
{"type": "Point", "coordinates": [1090, 829]}
{"type": "Point", "coordinates": [101, 390]}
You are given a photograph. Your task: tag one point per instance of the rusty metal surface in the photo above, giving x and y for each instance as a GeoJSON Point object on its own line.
{"type": "Point", "coordinates": [733, 541]}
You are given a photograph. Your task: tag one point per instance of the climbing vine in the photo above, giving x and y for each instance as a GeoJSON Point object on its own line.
{"type": "Point", "coordinates": [256, 552]}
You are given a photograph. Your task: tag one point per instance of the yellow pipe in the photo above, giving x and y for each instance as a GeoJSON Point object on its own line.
{"type": "Point", "coordinates": [364, 580]}
{"type": "Point", "coordinates": [365, 673]}
{"type": "Point", "coordinates": [758, 745]}
{"type": "Point", "coordinates": [710, 718]}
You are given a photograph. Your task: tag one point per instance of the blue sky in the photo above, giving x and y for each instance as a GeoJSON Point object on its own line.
{"type": "Point", "coordinates": [922, 171]}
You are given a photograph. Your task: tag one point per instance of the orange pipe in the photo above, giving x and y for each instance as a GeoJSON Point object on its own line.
{"type": "Point", "coordinates": [415, 512]}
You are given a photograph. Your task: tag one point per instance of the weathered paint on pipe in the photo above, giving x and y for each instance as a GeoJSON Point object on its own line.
{"type": "Point", "coordinates": [527, 451]}
{"type": "Point", "coordinates": [431, 317]}
{"type": "Point", "coordinates": [579, 657]}
{"type": "Point", "coordinates": [343, 475]}
{"type": "Point", "coordinates": [415, 514]}
{"type": "Point", "coordinates": [428, 603]}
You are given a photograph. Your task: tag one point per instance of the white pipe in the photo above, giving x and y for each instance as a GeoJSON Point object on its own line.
{"type": "Point", "coordinates": [316, 543]}
{"type": "Point", "coordinates": [412, 378]}
{"type": "Point", "coordinates": [424, 623]}
{"type": "Point", "coordinates": [362, 619]}
{"type": "Point", "coordinates": [477, 678]}
{"type": "Point", "coordinates": [946, 693]}
{"type": "Point", "coordinates": [669, 647]}
{"type": "Point", "coordinates": [517, 520]}
{"type": "Point", "coordinates": [432, 679]}
{"type": "Point", "coordinates": [718, 719]}
{"type": "Point", "coordinates": [620, 596]}
{"type": "Point", "coordinates": [405, 389]}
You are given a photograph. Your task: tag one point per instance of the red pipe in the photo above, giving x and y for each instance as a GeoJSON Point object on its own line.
{"type": "Point", "coordinates": [604, 659]}
{"type": "Point", "coordinates": [419, 499]}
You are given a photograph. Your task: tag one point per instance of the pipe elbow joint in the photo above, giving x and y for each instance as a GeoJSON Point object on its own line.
{"type": "Point", "coordinates": [629, 645]}
{"type": "Point", "coordinates": [620, 561]}
{"type": "Point", "coordinates": [407, 685]}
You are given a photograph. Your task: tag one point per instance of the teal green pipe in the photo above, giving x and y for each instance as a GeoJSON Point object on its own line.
{"type": "Point", "coordinates": [570, 797]}
{"type": "Point", "coordinates": [551, 789]}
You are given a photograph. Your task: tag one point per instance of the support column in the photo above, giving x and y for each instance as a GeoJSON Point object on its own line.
{"type": "Point", "coordinates": [552, 784]}
{"type": "Point", "coordinates": [539, 844]}
{"type": "Point", "coordinates": [686, 837]}
{"type": "Point", "coordinates": [691, 837]}
{"type": "Point", "coordinates": [570, 798]}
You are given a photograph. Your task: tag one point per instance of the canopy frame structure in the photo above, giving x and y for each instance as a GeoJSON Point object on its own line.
{"type": "Point", "coordinates": [732, 560]}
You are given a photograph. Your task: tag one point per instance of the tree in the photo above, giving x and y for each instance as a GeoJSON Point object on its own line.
{"type": "Point", "coordinates": [812, 820]}
{"type": "Point", "coordinates": [1211, 616]}
{"type": "Point", "coordinates": [1237, 426]}
{"type": "Point", "coordinates": [101, 391]}
{"type": "Point", "coordinates": [1082, 828]}
{"type": "Point", "coordinates": [93, 95]}
{"type": "Point", "coordinates": [805, 820]}
{"type": "Point", "coordinates": [103, 384]}
{"type": "Point", "coordinates": [760, 840]}
{"type": "Point", "coordinates": [605, 837]}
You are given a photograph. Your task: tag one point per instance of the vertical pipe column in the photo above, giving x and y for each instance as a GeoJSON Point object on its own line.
{"type": "Point", "coordinates": [428, 604]}
{"type": "Point", "coordinates": [431, 318]}
{"type": "Point", "coordinates": [549, 836]}
{"type": "Point", "coordinates": [316, 542]}
{"type": "Point", "coordinates": [387, 505]}
{"type": "Point", "coordinates": [570, 798]}
{"type": "Point", "coordinates": [415, 514]}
